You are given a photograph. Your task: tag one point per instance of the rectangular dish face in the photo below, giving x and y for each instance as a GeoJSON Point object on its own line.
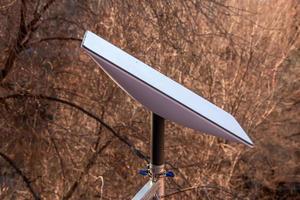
{"type": "Point", "coordinates": [161, 94]}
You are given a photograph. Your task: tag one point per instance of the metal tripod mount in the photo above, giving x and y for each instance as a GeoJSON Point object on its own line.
{"type": "Point", "coordinates": [154, 188]}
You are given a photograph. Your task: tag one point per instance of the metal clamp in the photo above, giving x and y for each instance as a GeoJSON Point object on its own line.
{"type": "Point", "coordinates": [155, 172]}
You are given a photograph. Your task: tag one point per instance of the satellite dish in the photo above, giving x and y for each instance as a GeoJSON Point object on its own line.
{"type": "Point", "coordinates": [161, 94]}
{"type": "Point", "coordinates": [166, 99]}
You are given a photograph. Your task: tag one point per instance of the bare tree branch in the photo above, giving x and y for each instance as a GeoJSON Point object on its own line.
{"type": "Point", "coordinates": [24, 34]}
{"type": "Point", "coordinates": [16, 48]}
{"type": "Point", "coordinates": [56, 38]}
{"type": "Point", "coordinates": [203, 187]}
{"type": "Point", "coordinates": [33, 25]}
{"type": "Point", "coordinates": [20, 173]}
{"type": "Point", "coordinates": [88, 166]}
{"type": "Point", "coordinates": [8, 5]}
{"type": "Point", "coordinates": [123, 139]}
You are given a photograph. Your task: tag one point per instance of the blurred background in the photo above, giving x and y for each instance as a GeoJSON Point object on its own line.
{"type": "Point", "coordinates": [69, 132]}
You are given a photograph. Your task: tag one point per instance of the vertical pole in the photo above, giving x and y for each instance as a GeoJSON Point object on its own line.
{"type": "Point", "coordinates": [157, 151]}
{"type": "Point", "coordinates": [157, 139]}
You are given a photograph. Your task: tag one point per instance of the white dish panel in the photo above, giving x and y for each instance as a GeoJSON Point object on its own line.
{"type": "Point", "coordinates": [161, 94]}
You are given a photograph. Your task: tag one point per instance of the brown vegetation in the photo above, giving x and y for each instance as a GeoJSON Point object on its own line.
{"type": "Point", "coordinates": [68, 132]}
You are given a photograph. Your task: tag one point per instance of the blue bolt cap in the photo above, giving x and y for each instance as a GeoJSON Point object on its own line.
{"type": "Point", "coordinates": [170, 174]}
{"type": "Point", "coordinates": [143, 172]}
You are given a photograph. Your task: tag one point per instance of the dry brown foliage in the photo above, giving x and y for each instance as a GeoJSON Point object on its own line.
{"type": "Point", "coordinates": [68, 132]}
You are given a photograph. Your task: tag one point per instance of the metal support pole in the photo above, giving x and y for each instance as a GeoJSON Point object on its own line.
{"type": "Point", "coordinates": [157, 139]}
{"type": "Point", "coordinates": [154, 188]}
{"type": "Point", "coordinates": [157, 152]}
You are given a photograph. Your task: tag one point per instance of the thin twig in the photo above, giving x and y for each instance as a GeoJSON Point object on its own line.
{"type": "Point", "coordinates": [8, 5]}
{"type": "Point", "coordinates": [55, 38]}
{"type": "Point", "coordinates": [201, 187]}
